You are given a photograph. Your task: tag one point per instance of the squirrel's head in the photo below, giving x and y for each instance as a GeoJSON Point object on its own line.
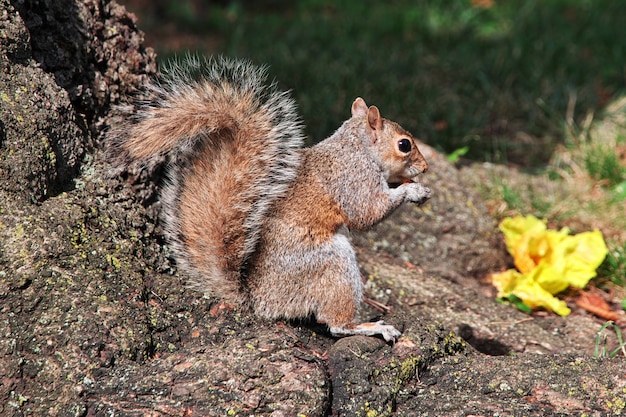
{"type": "Point", "coordinates": [396, 148]}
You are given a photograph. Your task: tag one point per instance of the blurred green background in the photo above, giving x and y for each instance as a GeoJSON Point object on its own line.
{"type": "Point", "coordinates": [537, 87]}
{"type": "Point", "coordinates": [495, 80]}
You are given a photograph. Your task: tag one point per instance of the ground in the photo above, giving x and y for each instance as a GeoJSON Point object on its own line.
{"type": "Point", "coordinates": [96, 320]}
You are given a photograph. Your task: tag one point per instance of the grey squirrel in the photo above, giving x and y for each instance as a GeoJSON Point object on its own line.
{"type": "Point", "coordinates": [251, 215]}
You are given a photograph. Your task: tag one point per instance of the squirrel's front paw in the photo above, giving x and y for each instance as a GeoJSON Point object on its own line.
{"type": "Point", "coordinates": [417, 193]}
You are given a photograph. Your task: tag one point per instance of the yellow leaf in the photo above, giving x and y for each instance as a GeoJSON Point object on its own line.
{"type": "Point", "coordinates": [534, 295]}
{"type": "Point", "coordinates": [514, 227]}
{"type": "Point", "coordinates": [505, 281]}
{"type": "Point", "coordinates": [524, 287]}
{"type": "Point", "coordinates": [549, 278]}
{"type": "Point", "coordinates": [530, 249]}
{"type": "Point", "coordinates": [548, 261]}
{"type": "Point", "coordinates": [582, 254]}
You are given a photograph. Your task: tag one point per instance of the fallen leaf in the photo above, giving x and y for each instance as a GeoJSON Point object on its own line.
{"type": "Point", "coordinates": [595, 304]}
{"type": "Point", "coordinates": [547, 262]}
{"type": "Point", "coordinates": [219, 308]}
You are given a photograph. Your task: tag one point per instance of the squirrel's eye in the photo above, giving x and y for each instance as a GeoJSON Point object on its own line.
{"type": "Point", "coordinates": [404, 145]}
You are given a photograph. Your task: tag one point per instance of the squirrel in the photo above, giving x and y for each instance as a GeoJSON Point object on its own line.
{"type": "Point", "coordinates": [250, 214]}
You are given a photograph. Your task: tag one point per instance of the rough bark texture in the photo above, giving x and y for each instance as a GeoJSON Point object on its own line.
{"type": "Point", "coordinates": [95, 321]}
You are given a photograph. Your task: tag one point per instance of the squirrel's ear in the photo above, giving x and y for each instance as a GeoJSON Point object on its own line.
{"type": "Point", "coordinates": [374, 121]}
{"type": "Point", "coordinates": [359, 108]}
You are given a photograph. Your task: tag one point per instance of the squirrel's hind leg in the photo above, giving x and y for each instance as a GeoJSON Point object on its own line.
{"type": "Point", "coordinates": [324, 282]}
{"type": "Point", "coordinates": [388, 332]}
{"type": "Point", "coordinates": [337, 307]}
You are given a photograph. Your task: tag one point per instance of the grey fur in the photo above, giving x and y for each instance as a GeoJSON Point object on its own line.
{"type": "Point", "coordinates": [200, 78]}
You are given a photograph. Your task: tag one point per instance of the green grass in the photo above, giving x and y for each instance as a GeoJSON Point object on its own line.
{"type": "Point", "coordinates": [603, 164]}
{"type": "Point", "coordinates": [613, 268]}
{"type": "Point", "coordinates": [601, 350]}
{"type": "Point", "coordinates": [495, 80]}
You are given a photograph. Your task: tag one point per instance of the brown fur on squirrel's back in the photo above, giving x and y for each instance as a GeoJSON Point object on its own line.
{"type": "Point", "coordinates": [229, 139]}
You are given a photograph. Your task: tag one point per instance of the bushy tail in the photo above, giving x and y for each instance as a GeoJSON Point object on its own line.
{"type": "Point", "coordinates": [233, 142]}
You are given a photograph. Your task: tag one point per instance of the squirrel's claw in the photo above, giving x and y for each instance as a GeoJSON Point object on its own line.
{"type": "Point", "coordinates": [387, 331]}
